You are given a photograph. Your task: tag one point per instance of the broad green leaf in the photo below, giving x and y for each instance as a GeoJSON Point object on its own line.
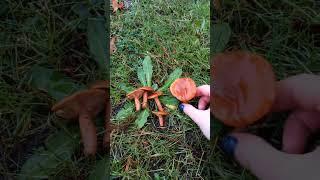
{"type": "Point", "coordinates": [142, 118]}
{"type": "Point", "coordinates": [125, 112]}
{"type": "Point", "coordinates": [55, 84]}
{"type": "Point", "coordinates": [101, 170]}
{"type": "Point", "coordinates": [126, 88]}
{"type": "Point", "coordinates": [220, 37]}
{"type": "Point", "coordinates": [147, 68]}
{"type": "Point", "coordinates": [170, 102]}
{"type": "Point", "coordinates": [142, 76]}
{"type": "Point", "coordinates": [97, 39]}
{"type": "Point", "coordinates": [172, 77]}
{"type": "Point", "coordinates": [59, 149]}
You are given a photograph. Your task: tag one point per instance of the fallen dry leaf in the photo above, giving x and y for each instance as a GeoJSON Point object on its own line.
{"type": "Point", "coordinates": [113, 47]}
{"type": "Point", "coordinates": [116, 5]}
{"type": "Point", "coordinates": [128, 164]}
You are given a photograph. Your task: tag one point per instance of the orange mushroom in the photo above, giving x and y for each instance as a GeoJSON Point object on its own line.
{"type": "Point", "coordinates": [146, 89]}
{"type": "Point", "coordinates": [244, 88]}
{"type": "Point", "coordinates": [136, 94]}
{"type": "Point", "coordinates": [155, 96]}
{"type": "Point", "coordinates": [99, 85]}
{"type": "Point", "coordinates": [84, 105]}
{"type": "Point", "coordinates": [184, 89]}
{"type": "Point", "coordinates": [160, 115]}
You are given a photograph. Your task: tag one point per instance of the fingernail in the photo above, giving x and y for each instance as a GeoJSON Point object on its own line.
{"type": "Point", "coordinates": [181, 106]}
{"type": "Point", "coordinates": [228, 145]}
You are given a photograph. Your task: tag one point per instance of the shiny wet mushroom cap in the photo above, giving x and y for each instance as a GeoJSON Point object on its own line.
{"type": "Point", "coordinates": [184, 89]}
{"type": "Point", "coordinates": [136, 94]}
{"type": "Point", "coordinates": [244, 88]}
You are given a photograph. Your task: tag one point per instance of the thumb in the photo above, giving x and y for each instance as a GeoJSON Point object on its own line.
{"type": "Point", "coordinates": [200, 117]}
{"type": "Point", "coordinates": [194, 113]}
{"type": "Point", "coordinates": [262, 159]}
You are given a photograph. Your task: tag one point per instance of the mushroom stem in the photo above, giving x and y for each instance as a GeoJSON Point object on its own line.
{"type": "Point", "coordinates": [137, 103]}
{"type": "Point", "coordinates": [160, 108]}
{"type": "Point", "coordinates": [161, 121]}
{"type": "Point", "coordinates": [88, 134]}
{"type": "Point", "coordinates": [145, 100]}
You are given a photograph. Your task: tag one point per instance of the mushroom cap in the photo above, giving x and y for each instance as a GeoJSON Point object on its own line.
{"type": "Point", "coordinates": [135, 94]}
{"type": "Point", "coordinates": [184, 89]}
{"type": "Point", "coordinates": [160, 113]}
{"type": "Point", "coordinates": [244, 88]}
{"type": "Point", "coordinates": [100, 84]}
{"type": "Point", "coordinates": [147, 88]}
{"type": "Point", "coordinates": [155, 94]}
{"type": "Point", "coordinates": [87, 101]}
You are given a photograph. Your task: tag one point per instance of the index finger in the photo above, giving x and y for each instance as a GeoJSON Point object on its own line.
{"type": "Point", "coordinates": [203, 90]}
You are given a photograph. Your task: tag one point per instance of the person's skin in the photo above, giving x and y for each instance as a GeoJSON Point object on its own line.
{"type": "Point", "coordinates": [200, 115]}
{"type": "Point", "coordinates": [300, 95]}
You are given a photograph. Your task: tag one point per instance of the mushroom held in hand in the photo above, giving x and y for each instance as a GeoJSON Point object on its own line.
{"type": "Point", "coordinates": [136, 94]}
{"type": "Point", "coordinates": [184, 89]}
{"type": "Point", "coordinates": [244, 88]}
{"type": "Point", "coordinates": [84, 105]}
{"type": "Point", "coordinates": [160, 115]}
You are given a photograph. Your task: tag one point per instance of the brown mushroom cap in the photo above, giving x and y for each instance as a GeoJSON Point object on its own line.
{"type": "Point", "coordinates": [87, 100]}
{"type": "Point", "coordinates": [244, 88]}
{"type": "Point", "coordinates": [160, 113]}
{"type": "Point", "coordinates": [147, 88]}
{"type": "Point", "coordinates": [101, 84]}
{"type": "Point", "coordinates": [184, 89]}
{"type": "Point", "coordinates": [135, 94]}
{"type": "Point", "coordinates": [155, 94]}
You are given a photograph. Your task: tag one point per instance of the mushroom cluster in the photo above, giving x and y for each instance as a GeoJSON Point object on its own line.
{"type": "Point", "coordinates": [148, 93]}
{"type": "Point", "coordinates": [85, 105]}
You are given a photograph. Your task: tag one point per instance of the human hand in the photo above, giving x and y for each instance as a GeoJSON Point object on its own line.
{"type": "Point", "coordinates": [300, 94]}
{"type": "Point", "coordinates": [200, 116]}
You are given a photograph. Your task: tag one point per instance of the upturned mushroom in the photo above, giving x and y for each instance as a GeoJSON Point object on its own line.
{"type": "Point", "coordinates": [184, 89]}
{"type": "Point", "coordinates": [84, 106]}
{"type": "Point", "coordinates": [146, 89]}
{"type": "Point", "coordinates": [160, 115]}
{"type": "Point", "coordinates": [244, 88]}
{"type": "Point", "coordinates": [155, 96]}
{"type": "Point", "coordinates": [136, 94]}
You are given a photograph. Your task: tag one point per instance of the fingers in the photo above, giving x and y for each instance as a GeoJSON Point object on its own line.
{"type": "Point", "coordinates": [258, 156]}
{"type": "Point", "coordinates": [200, 117]}
{"type": "Point", "coordinates": [297, 130]}
{"type": "Point", "coordinates": [203, 102]}
{"type": "Point", "coordinates": [194, 113]}
{"type": "Point", "coordinates": [300, 91]}
{"type": "Point", "coordinates": [203, 90]}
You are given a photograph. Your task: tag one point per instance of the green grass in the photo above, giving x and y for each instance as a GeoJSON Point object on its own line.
{"type": "Point", "coordinates": [50, 34]}
{"type": "Point", "coordinates": [287, 34]}
{"type": "Point", "coordinates": [175, 34]}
